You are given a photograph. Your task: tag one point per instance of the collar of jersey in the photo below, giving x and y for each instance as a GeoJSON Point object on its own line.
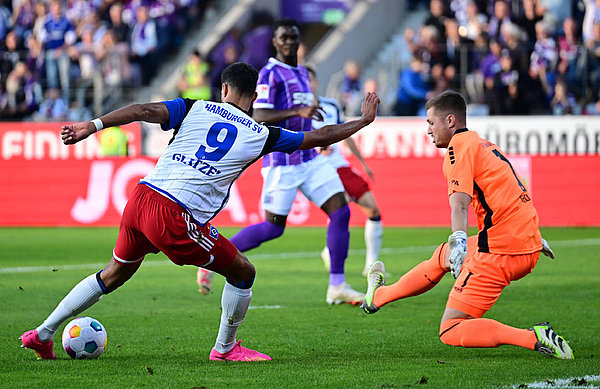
{"type": "Point", "coordinates": [238, 107]}
{"type": "Point", "coordinates": [461, 130]}
{"type": "Point", "coordinates": [285, 65]}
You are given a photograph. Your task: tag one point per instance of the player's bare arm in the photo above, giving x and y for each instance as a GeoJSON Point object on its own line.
{"type": "Point", "coordinates": [149, 112]}
{"type": "Point", "coordinates": [457, 242]}
{"type": "Point", "coordinates": [270, 116]}
{"type": "Point", "coordinates": [356, 152]}
{"type": "Point", "coordinates": [459, 205]}
{"type": "Point", "coordinates": [331, 134]}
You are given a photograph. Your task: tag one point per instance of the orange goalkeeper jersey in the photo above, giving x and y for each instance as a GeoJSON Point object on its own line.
{"type": "Point", "coordinates": [506, 218]}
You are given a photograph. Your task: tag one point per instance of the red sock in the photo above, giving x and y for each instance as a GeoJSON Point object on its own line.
{"type": "Point", "coordinates": [484, 333]}
{"type": "Point", "coordinates": [418, 280]}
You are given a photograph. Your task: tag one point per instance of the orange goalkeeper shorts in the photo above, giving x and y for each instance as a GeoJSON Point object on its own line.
{"type": "Point", "coordinates": [483, 278]}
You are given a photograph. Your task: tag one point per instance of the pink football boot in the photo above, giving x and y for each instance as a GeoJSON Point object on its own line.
{"type": "Point", "coordinates": [239, 353]}
{"type": "Point", "coordinates": [31, 340]}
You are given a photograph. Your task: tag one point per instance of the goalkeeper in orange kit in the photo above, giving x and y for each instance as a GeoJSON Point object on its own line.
{"type": "Point", "coordinates": [506, 249]}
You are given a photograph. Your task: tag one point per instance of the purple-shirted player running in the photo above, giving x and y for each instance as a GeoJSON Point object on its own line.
{"type": "Point", "coordinates": [285, 99]}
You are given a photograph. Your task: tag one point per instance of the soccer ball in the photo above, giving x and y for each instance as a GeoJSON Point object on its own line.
{"type": "Point", "coordinates": [84, 338]}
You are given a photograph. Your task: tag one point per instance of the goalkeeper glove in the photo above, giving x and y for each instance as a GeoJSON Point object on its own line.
{"type": "Point", "coordinates": [546, 249]}
{"type": "Point", "coordinates": [457, 244]}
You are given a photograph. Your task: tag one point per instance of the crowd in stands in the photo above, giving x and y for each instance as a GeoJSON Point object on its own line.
{"type": "Point", "coordinates": [52, 52]}
{"type": "Point", "coordinates": [510, 56]}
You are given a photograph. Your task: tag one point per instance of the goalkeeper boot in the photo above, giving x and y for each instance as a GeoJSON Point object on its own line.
{"type": "Point", "coordinates": [550, 343]}
{"type": "Point", "coordinates": [239, 353]}
{"type": "Point", "coordinates": [343, 293]}
{"type": "Point", "coordinates": [30, 339]}
{"type": "Point", "coordinates": [326, 258]}
{"type": "Point", "coordinates": [204, 280]}
{"type": "Point", "coordinates": [375, 279]}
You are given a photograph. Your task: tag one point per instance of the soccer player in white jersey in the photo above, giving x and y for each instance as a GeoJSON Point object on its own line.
{"type": "Point", "coordinates": [171, 208]}
{"type": "Point", "coordinates": [285, 99]}
{"type": "Point", "coordinates": [357, 188]}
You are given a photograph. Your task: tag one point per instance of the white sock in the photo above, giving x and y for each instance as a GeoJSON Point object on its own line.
{"type": "Point", "coordinates": [234, 303]}
{"type": "Point", "coordinates": [373, 238]}
{"type": "Point", "coordinates": [81, 297]}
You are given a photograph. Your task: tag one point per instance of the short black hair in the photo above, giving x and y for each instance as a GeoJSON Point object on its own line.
{"type": "Point", "coordinates": [241, 77]}
{"type": "Point", "coordinates": [285, 22]}
{"type": "Point", "coordinates": [449, 102]}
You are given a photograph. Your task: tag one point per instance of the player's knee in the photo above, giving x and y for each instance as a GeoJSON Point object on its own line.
{"type": "Point", "coordinates": [374, 214]}
{"type": "Point", "coordinates": [448, 332]}
{"type": "Point", "coordinates": [340, 215]}
{"type": "Point", "coordinates": [273, 230]}
{"type": "Point", "coordinates": [246, 271]}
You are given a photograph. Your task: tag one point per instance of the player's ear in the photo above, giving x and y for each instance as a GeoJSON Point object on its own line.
{"type": "Point", "coordinates": [254, 96]}
{"type": "Point", "coordinates": [450, 120]}
{"type": "Point", "coordinates": [224, 91]}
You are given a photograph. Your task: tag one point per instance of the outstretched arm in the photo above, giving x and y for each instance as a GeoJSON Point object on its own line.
{"type": "Point", "coordinates": [331, 134]}
{"type": "Point", "coordinates": [149, 112]}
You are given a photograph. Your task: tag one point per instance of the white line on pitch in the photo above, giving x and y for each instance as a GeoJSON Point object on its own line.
{"type": "Point", "coordinates": [265, 307]}
{"type": "Point", "coordinates": [288, 255]}
{"type": "Point", "coordinates": [588, 381]}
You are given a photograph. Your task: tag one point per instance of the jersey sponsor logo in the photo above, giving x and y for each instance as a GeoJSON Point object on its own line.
{"type": "Point", "coordinates": [198, 164]}
{"type": "Point", "coordinates": [454, 182]}
{"type": "Point", "coordinates": [303, 98]}
{"type": "Point", "coordinates": [230, 116]}
{"type": "Point", "coordinates": [214, 233]}
{"type": "Point", "coordinates": [263, 91]}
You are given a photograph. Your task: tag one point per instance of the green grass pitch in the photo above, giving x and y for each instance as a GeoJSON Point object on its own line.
{"type": "Point", "coordinates": [161, 330]}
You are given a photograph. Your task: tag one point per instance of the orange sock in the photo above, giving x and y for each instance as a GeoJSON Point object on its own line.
{"type": "Point", "coordinates": [418, 280]}
{"type": "Point", "coordinates": [484, 333]}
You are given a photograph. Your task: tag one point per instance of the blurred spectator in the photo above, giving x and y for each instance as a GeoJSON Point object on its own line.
{"type": "Point", "coordinates": [501, 16]}
{"type": "Point", "coordinates": [23, 17]}
{"type": "Point", "coordinates": [83, 55]}
{"type": "Point", "coordinates": [556, 11]}
{"type": "Point", "coordinates": [193, 82]}
{"type": "Point", "coordinates": [116, 24]}
{"type": "Point", "coordinates": [532, 13]}
{"type": "Point", "coordinates": [10, 55]}
{"type": "Point", "coordinates": [5, 19]}
{"type": "Point", "coordinates": [229, 56]}
{"type": "Point", "coordinates": [437, 16]}
{"type": "Point", "coordinates": [563, 102]}
{"type": "Point", "coordinates": [413, 91]}
{"type": "Point", "coordinates": [53, 108]}
{"type": "Point", "coordinates": [40, 20]}
{"type": "Point", "coordinates": [58, 35]}
{"type": "Point", "coordinates": [351, 87]}
{"type": "Point", "coordinates": [593, 48]}
{"type": "Point", "coordinates": [543, 58]}
{"type": "Point", "coordinates": [591, 17]}
{"type": "Point", "coordinates": [115, 66]}
{"type": "Point", "coordinates": [257, 47]}
{"type": "Point", "coordinates": [35, 56]}
{"type": "Point", "coordinates": [144, 43]}
{"type": "Point", "coordinates": [113, 142]}
{"type": "Point", "coordinates": [225, 53]}
{"type": "Point", "coordinates": [474, 23]}
{"type": "Point", "coordinates": [23, 92]}
{"type": "Point", "coordinates": [568, 50]}
{"type": "Point", "coordinates": [78, 10]}
{"type": "Point", "coordinates": [502, 95]}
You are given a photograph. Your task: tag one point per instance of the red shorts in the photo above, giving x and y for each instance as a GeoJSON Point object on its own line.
{"type": "Point", "coordinates": [152, 223]}
{"type": "Point", "coordinates": [484, 276]}
{"type": "Point", "coordinates": [354, 184]}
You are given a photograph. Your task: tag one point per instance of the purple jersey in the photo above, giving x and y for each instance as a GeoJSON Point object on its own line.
{"type": "Point", "coordinates": [281, 87]}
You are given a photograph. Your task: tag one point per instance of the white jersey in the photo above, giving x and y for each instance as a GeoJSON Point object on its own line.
{"type": "Point", "coordinates": [333, 115]}
{"type": "Point", "coordinates": [212, 145]}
